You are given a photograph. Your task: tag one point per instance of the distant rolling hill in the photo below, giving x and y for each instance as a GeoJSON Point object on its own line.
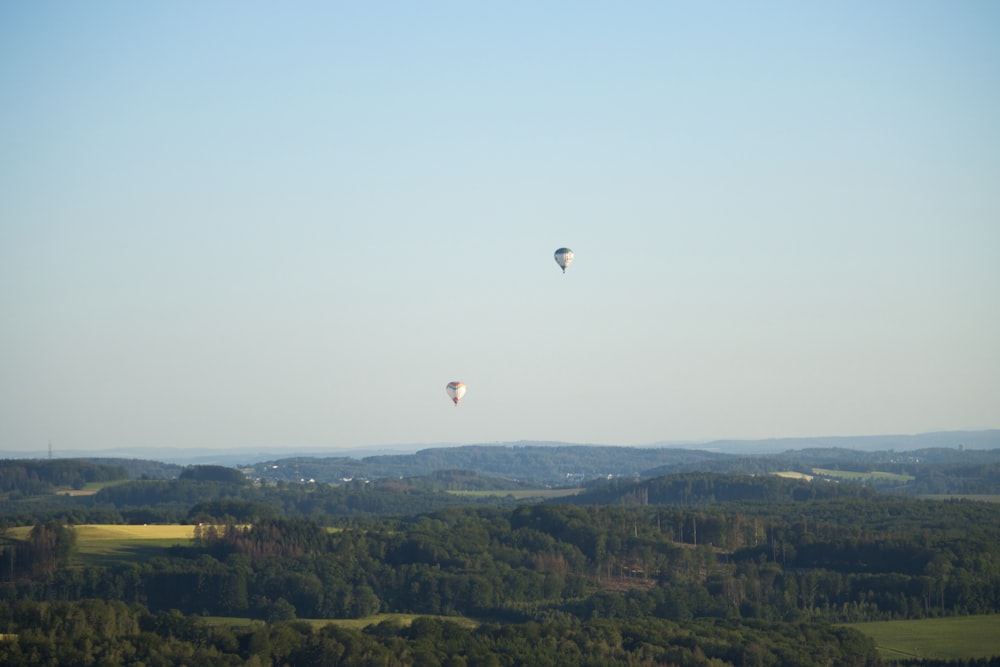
{"type": "Point", "coordinates": [558, 463]}
{"type": "Point", "coordinates": [563, 463]}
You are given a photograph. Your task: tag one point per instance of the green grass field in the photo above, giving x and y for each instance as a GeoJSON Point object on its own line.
{"type": "Point", "coordinates": [960, 637]}
{"type": "Point", "coordinates": [86, 533]}
{"type": "Point", "coordinates": [106, 544]}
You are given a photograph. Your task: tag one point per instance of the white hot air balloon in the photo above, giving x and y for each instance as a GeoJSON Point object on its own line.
{"type": "Point", "coordinates": [563, 258]}
{"type": "Point", "coordinates": [456, 390]}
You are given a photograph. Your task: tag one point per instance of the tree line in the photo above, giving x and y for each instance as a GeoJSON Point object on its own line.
{"type": "Point", "coordinates": [102, 632]}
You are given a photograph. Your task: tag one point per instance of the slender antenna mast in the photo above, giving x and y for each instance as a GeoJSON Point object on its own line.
{"type": "Point", "coordinates": [50, 450]}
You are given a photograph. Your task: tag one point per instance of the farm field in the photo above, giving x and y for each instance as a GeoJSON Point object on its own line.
{"type": "Point", "coordinates": [93, 532]}
{"type": "Point", "coordinates": [89, 489]}
{"type": "Point", "coordinates": [959, 637]}
{"type": "Point", "coordinates": [791, 474]}
{"type": "Point", "coordinates": [105, 544]}
{"type": "Point", "coordinates": [861, 476]}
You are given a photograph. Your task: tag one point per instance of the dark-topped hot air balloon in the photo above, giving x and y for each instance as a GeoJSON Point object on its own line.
{"type": "Point", "coordinates": [563, 258]}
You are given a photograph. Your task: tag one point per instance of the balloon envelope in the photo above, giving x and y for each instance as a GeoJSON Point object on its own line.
{"type": "Point", "coordinates": [456, 390]}
{"type": "Point", "coordinates": [563, 258]}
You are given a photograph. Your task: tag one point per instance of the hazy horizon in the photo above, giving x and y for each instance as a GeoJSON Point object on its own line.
{"type": "Point", "coordinates": [971, 440]}
{"type": "Point", "coordinates": [239, 224]}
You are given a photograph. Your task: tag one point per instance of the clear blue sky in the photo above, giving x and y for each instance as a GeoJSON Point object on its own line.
{"type": "Point", "coordinates": [292, 224]}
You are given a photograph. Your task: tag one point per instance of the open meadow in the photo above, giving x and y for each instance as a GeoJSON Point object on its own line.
{"type": "Point", "coordinates": [104, 544]}
{"type": "Point", "coordinates": [88, 489]}
{"type": "Point", "coordinates": [957, 637]}
{"type": "Point", "coordinates": [104, 532]}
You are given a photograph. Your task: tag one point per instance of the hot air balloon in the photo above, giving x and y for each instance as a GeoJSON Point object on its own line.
{"type": "Point", "coordinates": [456, 390]}
{"type": "Point", "coordinates": [563, 257]}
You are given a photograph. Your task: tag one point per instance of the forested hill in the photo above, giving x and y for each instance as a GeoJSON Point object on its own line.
{"type": "Point", "coordinates": [984, 439]}
{"type": "Point", "coordinates": [953, 462]}
{"type": "Point", "coordinates": [531, 463]}
{"type": "Point", "coordinates": [553, 464]}
{"type": "Point", "coordinates": [707, 488]}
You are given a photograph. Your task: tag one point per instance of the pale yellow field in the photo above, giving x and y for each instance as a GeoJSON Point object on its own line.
{"type": "Point", "coordinates": [90, 532]}
{"type": "Point", "coordinates": [794, 475]}
{"type": "Point", "coordinates": [144, 532]}
{"type": "Point", "coordinates": [875, 474]}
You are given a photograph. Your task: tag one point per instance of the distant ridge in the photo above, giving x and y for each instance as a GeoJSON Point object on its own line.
{"type": "Point", "coordinates": [238, 456]}
{"type": "Point", "coordinates": [985, 439]}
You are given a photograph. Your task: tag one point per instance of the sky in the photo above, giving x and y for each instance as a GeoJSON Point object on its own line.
{"type": "Point", "coordinates": [254, 224]}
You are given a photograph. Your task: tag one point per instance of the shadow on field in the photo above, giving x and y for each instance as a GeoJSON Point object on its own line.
{"type": "Point", "coordinates": [106, 555]}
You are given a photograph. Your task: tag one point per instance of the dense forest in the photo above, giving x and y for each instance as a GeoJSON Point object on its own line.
{"type": "Point", "coordinates": [20, 478]}
{"type": "Point", "coordinates": [698, 568]}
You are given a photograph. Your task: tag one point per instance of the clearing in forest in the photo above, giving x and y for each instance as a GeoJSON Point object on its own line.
{"type": "Point", "coordinates": [952, 638]}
